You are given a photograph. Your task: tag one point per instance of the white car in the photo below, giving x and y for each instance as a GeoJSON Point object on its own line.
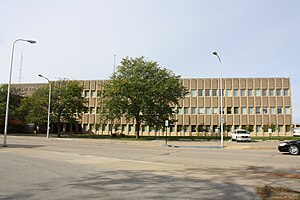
{"type": "Point", "coordinates": [240, 135]}
{"type": "Point", "coordinates": [296, 132]}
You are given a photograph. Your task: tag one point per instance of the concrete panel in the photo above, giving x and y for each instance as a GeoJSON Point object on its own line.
{"type": "Point", "coordinates": [272, 83]}
{"type": "Point", "coordinates": [236, 101]}
{"type": "Point", "coordinates": [280, 119]}
{"type": "Point", "coordinates": [193, 120]}
{"type": "Point", "coordinates": [288, 119]}
{"type": "Point", "coordinates": [242, 83]}
{"type": "Point", "coordinates": [279, 101]}
{"type": "Point", "coordinates": [92, 119]}
{"type": "Point", "coordinates": [193, 101]}
{"type": "Point", "coordinates": [244, 101]}
{"type": "Point", "coordinates": [251, 101]}
{"type": "Point", "coordinates": [200, 83]}
{"type": "Point", "coordinates": [200, 102]}
{"type": "Point", "coordinates": [200, 119]}
{"type": "Point", "coordinates": [186, 120]}
{"type": "Point", "coordinates": [215, 84]}
{"type": "Point", "coordinates": [250, 83]}
{"type": "Point", "coordinates": [215, 102]}
{"type": "Point", "coordinates": [287, 101]}
{"type": "Point", "coordinates": [179, 118]}
{"type": "Point", "coordinates": [93, 85]}
{"type": "Point", "coordinates": [86, 85]}
{"type": "Point", "coordinates": [251, 119]}
{"type": "Point", "coordinates": [207, 83]}
{"type": "Point", "coordinates": [187, 102]}
{"type": "Point", "coordinates": [235, 83]}
{"type": "Point", "coordinates": [286, 83]}
{"type": "Point", "coordinates": [265, 101]}
{"type": "Point", "coordinates": [207, 101]}
{"type": "Point", "coordinates": [193, 83]}
{"type": "Point", "coordinates": [207, 120]}
{"type": "Point", "coordinates": [266, 120]}
{"type": "Point", "coordinates": [180, 102]}
{"type": "Point", "coordinates": [228, 83]}
{"type": "Point", "coordinates": [264, 83]}
{"type": "Point", "coordinates": [273, 119]}
{"type": "Point", "coordinates": [215, 120]}
{"type": "Point", "coordinates": [85, 118]}
{"type": "Point", "coordinates": [243, 120]}
{"type": "Point", "coordinates": [257, 101]}
{"type": "Point", "coordinates": [236, 120]}
{"type": "Point", "coordinates": [272, 101]}
{"type": "Point", "coordinates": [278, 83]}
{"type": "Point", "coordinates": [228, 102]}
{"type": "Point", "coordinates": [229, 119]}
{"type": "Point", "coordinates": [256, 83]}
{"type": "Point", "coordinates": [186, 83]}
{"type": "Point", "coordinates": [258, 120]}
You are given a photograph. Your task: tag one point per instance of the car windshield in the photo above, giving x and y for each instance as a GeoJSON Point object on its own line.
{"type": "Point", "coordinates": [241, 132]}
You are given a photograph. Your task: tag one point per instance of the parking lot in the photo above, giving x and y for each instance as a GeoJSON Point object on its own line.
{"type": "Point", "coordinates": [37, 168]}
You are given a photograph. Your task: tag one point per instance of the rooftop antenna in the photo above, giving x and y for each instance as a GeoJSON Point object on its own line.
{"type": "Point", "coordinates": [21, 65]}
{"type": "Point", "coordinates": [114, 63]}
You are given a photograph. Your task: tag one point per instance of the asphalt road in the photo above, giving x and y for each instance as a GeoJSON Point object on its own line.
{"type": "Point", "coordinates": [37, 168]}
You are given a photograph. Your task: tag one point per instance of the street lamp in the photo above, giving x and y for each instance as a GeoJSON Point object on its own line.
{"type": "Point", "coordinates": [8, 88]}
{"type": "Point", "coordinates": [49, 102]}
{"type": "Point", "coordinates": [221, 89]}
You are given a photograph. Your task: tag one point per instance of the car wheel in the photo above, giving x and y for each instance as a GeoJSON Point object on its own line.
{"type": "Point", "coordinates": [294, 150]}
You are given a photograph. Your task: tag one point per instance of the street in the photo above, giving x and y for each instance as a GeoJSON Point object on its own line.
{"type": "Point", "coordinates": [37, 168]}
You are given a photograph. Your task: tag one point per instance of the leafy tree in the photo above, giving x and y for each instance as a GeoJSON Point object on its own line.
{"type": "Point", "coordinates": [141, 90]}
{"type": "Point", "coordinates": [67, 104]}
{"type": "Point", "coordinates": [14, 102]}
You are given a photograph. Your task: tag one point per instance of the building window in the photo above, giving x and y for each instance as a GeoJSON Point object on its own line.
{"type": "Point", "coordinates": [172, 128]}
{"type": "Point", "coordinates": [257, 110]}
{"type": "Point", "coordinates": [286, 92]}
{"type": "Point", "coordinates": [235, 92]}
{"type": "Point", "coordinates": [92, 110]}
{"type": "Point", "coordinates": [236, 110]}
{"type": "Point", "coordinates": [130, 128]}
{"type": "Point", "coordinates": [287, 110]}
{"type": "Point", "coordinates": [264, 92]}
{"type": "Point", "coordinates": [200, 92]}
{"type": "Point", "coordinates": [103, 127]}
{"type": "Point", "coordinates": [86, 93]}
{"type": "Point", "coordinates": [200, 111]}
{"type": "Point", "coordinates": [179, 110]}
{"type": "Point", "coordinates": [257, 92]}
{"type": "Point", "coordinates": [222, 92]}
{"type": "Point", "coordinates": [123, 128]}
{"type": "Point", "coordinates": [207, 110]}
{"type": "Point", "coordinates": [228, 93]}
{"type": "Point", "coordinates": [251, 110]}
{"type": "Point", "coordinates": [265, 110]}
{"type": "Point", "coordinates": [194, 128]}
{"type": "Point", "coordinates": [250, 92]}
{"type": "Point", "coordinates": [229, 110]}
{"type": "Point", "coordinates": [280, 128]}
{"type": "Point", "coordinates": [85, 127]}
{"type": "Point", "coordinates": [243, 92]}
{"type": "Point", "coordinates": [244, 111]}
{"type": "Point", "coordinates": [193, 93]}
{"type": "Point", "coordinates": [271, 92]}
{"type": "Point", "coordinates": [214, 92]}
{"type": "Point", "coordinates": [186, 128]}
{"type": "Point", "coordinates": [179, 128]}
{"type": "Point", "coordinates": [193, 111]}
{"type": "Point", "coordinates": [186, 110]}
{"type": "Point", "coordinates": [93, 93]}
{"type": "Point", "coordinates": [92, 127]}
{"type": "Point", "coordinates": [279, 110]}
{"type": "Point", "coordinates": [272, 110]}
{"type": "Point", "coordinates": [278, 92]}
{"type": "Point", "coordinates": [258, 129]}
{"type": "Point", "coordinates": [215, 111]}
{"type": "Point", "coordinates": [207, 92]}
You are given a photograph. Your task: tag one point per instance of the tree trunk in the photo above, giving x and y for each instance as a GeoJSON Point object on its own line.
{"type": "Point", "coordinates": [58, 127]}
{"type": "Point", "coordinates": [138, 124]}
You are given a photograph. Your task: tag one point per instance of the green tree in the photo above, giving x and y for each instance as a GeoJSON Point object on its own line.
{"type": "Point", "coordinates": [15, 119]}
{"type": "Point", "coordinates": [141, 90]}
{"type": "Point", "coordinates": [67, 104]}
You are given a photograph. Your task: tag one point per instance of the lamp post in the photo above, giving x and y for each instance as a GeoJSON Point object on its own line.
{"type": "Point", "coordinates": [49, 103]}
{"type": "Point", "coordinates": [221, 89]}
{"type": "Point", "coordinates": [8, 88]}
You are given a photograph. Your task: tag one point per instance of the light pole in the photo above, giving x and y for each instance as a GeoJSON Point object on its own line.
{"type": "Point", "coordinates": [49, 103]}
{"type": "Point", "coordinates": [221, 93]}
{"type": "Point", "coordinates": [8, 88]}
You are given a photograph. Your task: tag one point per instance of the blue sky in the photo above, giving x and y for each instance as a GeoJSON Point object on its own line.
{"type": "Point", "coordinates": [77, 39]}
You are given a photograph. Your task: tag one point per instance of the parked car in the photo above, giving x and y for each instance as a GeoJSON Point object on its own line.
{"type": "Point", "coordinates": [293, 147]}
{"type": "Point", "coordinates": [240, 135]}
{"type": "Point", "coordinates": [296, 132]}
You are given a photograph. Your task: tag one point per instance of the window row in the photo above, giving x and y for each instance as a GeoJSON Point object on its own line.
{"type": "Point", "coordinates": [237, 92]}
{"type": "Point", "coordinates": [233, 110]}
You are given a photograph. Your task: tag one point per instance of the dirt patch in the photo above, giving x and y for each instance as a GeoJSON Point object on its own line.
{"type": "Point", "coordinates": [285, 175]}
{"type": "Point", "coordinates": [276, 193]}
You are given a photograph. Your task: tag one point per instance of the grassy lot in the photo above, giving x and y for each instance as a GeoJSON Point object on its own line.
{"type": "Point", "coordinates": [275, 193]}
